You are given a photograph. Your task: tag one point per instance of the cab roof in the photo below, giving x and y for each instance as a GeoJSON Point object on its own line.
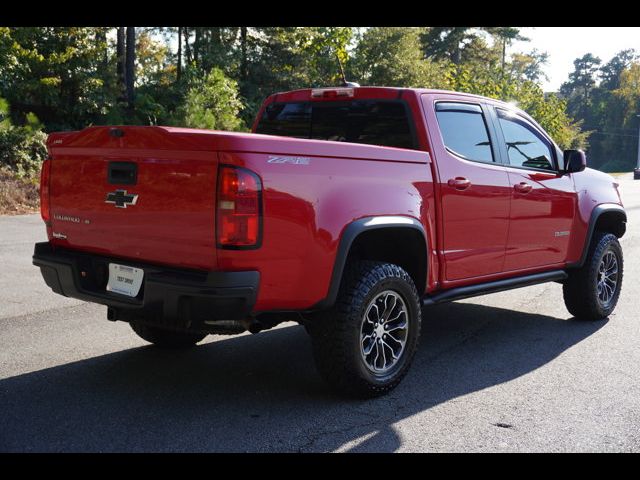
{"type": "Point", "coordinates": [305, 94]}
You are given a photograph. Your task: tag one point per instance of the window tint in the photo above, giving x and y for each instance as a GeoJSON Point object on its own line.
{"type": "Point", "coordinates": [525, 146]}
{"type": "Point", "coordinates": [287, 119]}
{"type": "Point", "coordinates": [464, 132]}
{"type": "Point", "coordinates": [360, 121]}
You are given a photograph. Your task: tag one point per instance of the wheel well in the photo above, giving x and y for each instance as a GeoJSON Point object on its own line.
{"type": "Point", "coordinates": [404, 247]}
{"type": "Point", "coordinates": [612, 222]}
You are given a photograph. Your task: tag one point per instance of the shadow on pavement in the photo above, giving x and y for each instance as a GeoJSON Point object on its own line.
{"type": "Point", "coordinates": [262, 392]}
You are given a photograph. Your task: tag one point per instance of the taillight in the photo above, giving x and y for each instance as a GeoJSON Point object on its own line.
{"type": "Point", "coordinates": [45, 175]}
{"type": "Point", "coordinates": [239, 205]}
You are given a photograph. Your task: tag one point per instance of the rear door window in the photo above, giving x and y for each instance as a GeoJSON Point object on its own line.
{"type": "Point", "coordinates": [372, 122]}
{"type": "Point", "coordinates": [464, 131]}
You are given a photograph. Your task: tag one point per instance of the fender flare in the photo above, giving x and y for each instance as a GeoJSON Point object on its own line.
{"type": "Point", "coordinates": [595, 214]}
{"type": "Point", "coordinates": [348, 236]}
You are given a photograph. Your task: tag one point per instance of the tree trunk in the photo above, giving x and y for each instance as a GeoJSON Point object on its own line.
{"type": "Point", "coordinates": [130, 65]}
{"type": "Point", "coordinates": [120, 62]}
{"type": "Point", "coordinates": [243, 48]}
{"type": "Point", "coordinates": [187, 48]}
{"type": "Point", "coordinates": [457, 53]}
{"type": "Point", "coordinates": [179, 69]}
{"type": "Point", "coordinates": [196, 45]}
{"type": "Point", "coordinates": [101, 40]}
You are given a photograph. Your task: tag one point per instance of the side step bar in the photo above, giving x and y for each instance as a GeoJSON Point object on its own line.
{"type": "Point", "coordinates": [493, 287]}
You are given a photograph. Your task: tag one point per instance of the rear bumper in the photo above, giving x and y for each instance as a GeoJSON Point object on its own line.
{"type": "Point", "coordinates": [175, 298]}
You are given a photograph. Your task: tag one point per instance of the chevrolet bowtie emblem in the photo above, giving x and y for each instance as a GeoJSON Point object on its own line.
{"type": "Point", "coordinates": [121, 199]}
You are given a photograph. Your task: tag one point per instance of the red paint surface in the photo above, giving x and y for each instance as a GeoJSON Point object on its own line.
{"type": "Point", "coordinates": [487, 231]}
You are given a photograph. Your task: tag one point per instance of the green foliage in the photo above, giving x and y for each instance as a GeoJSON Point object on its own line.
{"type": "Point", "coordinates": [606, 99]}
{"type": "Point", "coordinates": [528, 66]}
{"type": "Point", "coordinates": [549, 110]}
{"type": "Point", "coordinates": [61, 78]}
{"type": "Point", "coordinates": [22, 150]}
{"type": "Point", "coordinates": [53, 72]}
{"type": "Point", "coordinates": [392, 56]}
{"type": "Point", "coordinates": [212, 103]}
{"type": "Point", "coordinates": [5, 120]}
{"type": "Point", "coordinates": [614, 166]}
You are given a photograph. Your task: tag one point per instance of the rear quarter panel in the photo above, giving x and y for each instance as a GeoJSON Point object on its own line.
{"type": "Point", "coordinates": [306, 208]}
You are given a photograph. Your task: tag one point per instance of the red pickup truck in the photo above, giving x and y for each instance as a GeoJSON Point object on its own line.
{"type": "Point", "coordinates": [348, 210]}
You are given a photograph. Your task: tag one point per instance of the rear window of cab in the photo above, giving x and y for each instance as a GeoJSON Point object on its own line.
{"type": "Point", "coordinates": [372, 122]}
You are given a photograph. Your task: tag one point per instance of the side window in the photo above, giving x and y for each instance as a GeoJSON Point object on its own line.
{"type": "Point", "coordinates": [464, 131]}
{"type": "Point", "coordinates": [525, 146]}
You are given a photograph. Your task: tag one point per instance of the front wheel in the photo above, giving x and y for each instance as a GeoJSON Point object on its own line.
{"type": "Point", "coordinates": [364, 345]}
{"type": "Point", "coordinates": [591, 292]}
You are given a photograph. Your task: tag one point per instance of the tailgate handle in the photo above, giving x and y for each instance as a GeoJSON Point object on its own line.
{"type": "Point", "coordinates": [122, 173]}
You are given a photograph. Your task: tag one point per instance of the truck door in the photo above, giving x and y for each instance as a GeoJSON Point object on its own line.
{"type": "Point", "coordinates": [543, 199]}
{"type": "Point", "coordinates": [475, 191]}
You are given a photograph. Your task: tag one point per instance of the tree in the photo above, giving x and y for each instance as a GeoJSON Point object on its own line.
{"type": "Point", "coordinates": [212, 102]}
{"type": "Point", "coordinates": [580, 84]}
{"type": "Point", "coordinates": [458, 45]}
{"type": "Point", "coordinates": [505, 35]}
{"type": "Point", "coordinates": [622, 122]}
{"type": "Point", "coordinates": [22, 149]}
{"type": "Point", "coordinates": [54, 72]}
{"type": "Point", "coordinates": [121, 64]}
{"type": "Point", "coordinates": [179, 63]}
{"type": "Point", "coordinates": [5, 120]}
{"type": "Point", "coordinates": [447, 43]}
{"type": "Point", "coordinates": [610, 72]}
{"type": "Point", "coordinates": [528, 66]}
{"type": "Point", "coordinates": [605, 107]}
{"type": "Point", "coordinates": [243, 48]}
{"type": "Point", "coordinates": [217, 77]}
{"type": "Point", "coordinates": [101, 46]}
{"type": "Point", "coordinates": [130, 67]}
{"type": "Point", "coordinates": [393, 56]}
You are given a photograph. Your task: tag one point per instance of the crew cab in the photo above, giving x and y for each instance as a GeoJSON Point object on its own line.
{"type": "Point", "coordinates": [349, 210]}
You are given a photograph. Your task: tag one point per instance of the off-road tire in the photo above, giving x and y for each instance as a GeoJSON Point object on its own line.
{"type": "Point", "coordinates": [336, 333]}
{"type": "Point", "coordinates": [164, 338]}
{"type": "Point", "coordinates": [580, 289]}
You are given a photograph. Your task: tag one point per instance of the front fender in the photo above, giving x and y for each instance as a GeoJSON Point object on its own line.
{"type": "Point", "coordinates": [596, 213]}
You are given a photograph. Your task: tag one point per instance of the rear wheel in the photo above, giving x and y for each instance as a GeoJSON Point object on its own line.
{"type": "Point", "coordinates": [591, 292]}
{"type": "Point", "coordinates": [365, 344]}
{"type": "Point", "coordinates": [164, 338]}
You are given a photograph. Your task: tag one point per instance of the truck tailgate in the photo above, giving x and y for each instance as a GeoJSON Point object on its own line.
{"type": "Point", "coordinates": [134, 196]}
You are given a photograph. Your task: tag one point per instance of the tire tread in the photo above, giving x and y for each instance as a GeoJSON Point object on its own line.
{"type": "Point", "coordinates": [331, 330]}
{"type": "Point", "coordinates": [579, 295]}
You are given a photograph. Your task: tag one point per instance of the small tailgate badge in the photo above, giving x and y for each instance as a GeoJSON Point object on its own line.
{"type": "Point", "coordinates": [121, 199]}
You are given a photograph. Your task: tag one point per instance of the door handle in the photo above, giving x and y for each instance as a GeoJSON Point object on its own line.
{"type": "Point", "coordinates": [459, 183]}
{"type": "Point", "coordinates": [522, 187]}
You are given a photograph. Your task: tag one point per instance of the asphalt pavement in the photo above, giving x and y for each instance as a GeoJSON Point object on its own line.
{"type": "Point", "coordinates": [510, 371]}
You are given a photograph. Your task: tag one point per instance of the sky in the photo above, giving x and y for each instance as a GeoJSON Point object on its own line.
{"type": "Point", "coordinates": [565, 44]}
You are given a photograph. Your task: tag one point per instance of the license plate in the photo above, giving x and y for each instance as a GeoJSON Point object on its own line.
{"type": "Point", "coordinates": [124, 280]}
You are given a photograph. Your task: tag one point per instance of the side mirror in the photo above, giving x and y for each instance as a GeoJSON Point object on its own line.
{"type": "Point", "coordinates": [574, 161]}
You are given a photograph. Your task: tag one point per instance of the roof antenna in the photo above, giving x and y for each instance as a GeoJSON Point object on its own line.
{"type": "Point", "coordinates": [344, 79]}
